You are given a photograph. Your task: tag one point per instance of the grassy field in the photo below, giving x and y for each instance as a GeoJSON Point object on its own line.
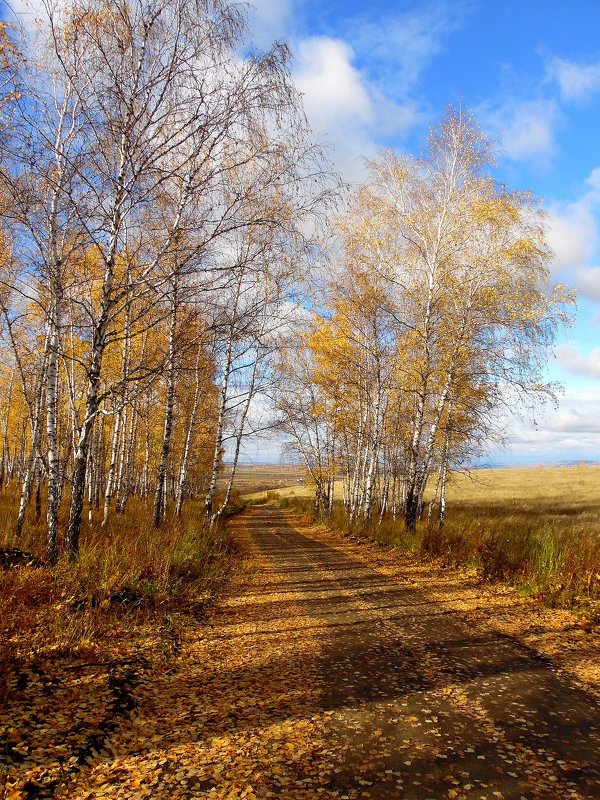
{"type": "Point", "coordinates": [537, 526]}
{"type": "Point", "coordinates": [540, 526]}
{"type": "Point", "coordinates": [576, 485]}
{"type": "Point", "coordinates": [256, 478]}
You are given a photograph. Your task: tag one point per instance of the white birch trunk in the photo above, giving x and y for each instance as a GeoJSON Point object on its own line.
{"type": "Point", "coordinates": [30, 467]}
{"type": "Point", "coordinates": [214, 475]}
{"type": "Point", "coordinates": [125, 482]}
{"type": "Point", "coordinates": [444, 481]}
{"type": "Point", "coordinates": [51, 429]}
{"type": "Point", "coordinates": [112, 467]}
{"type": "Point", "coordinates": [160, 499]}
{"type": "Point", "coordinates": [188, 440]}
{"type": "Point", "coordinates": [238, 442]}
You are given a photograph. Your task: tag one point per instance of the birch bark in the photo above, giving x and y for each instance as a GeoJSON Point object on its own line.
{"type": "Point", "coordinates": [160, 498]}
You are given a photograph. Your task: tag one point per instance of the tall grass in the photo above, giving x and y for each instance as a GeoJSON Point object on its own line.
{"type": "Point", "coordinates": [538, 528]}
{"type": "Point", "coordinates": [127, 574]}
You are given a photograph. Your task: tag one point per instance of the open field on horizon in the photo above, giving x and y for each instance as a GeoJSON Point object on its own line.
{"type": "Point", "coordinates": [538, 527]}
{"type": "Point", "coordinates": [263, 477]}
{"type": "Point", "coordinates": [578, 483]}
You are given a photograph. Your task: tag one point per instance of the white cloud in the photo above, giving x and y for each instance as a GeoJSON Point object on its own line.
{"type": "Point", "coordinates": [593, 180]}
{"type": "Point", "coordinates": [572, 431]}
{"type": "Point", "coordinates": [334, 91]}
{"type": "Point", "coordinates": [525, 130]}
{"type": "Point", "coordinates": [576, 81]}
{"type": "Point", "coordinates": [572, 234]}
{"type": "Point", "coordinates": [574, 237]}
{"type": "Point", "coordinates": [337, 102]}
{"type": "Point", "coordinates": [573, 421]}
{"type": "Point", "coordinates": [344, 107]}
{"type": "Point", "coordinates": [359, 86]}
{"type": "Point", "coordinates": [268, 19]}
{"type": "Point", "coordinates": [574, 363]}
{"type": "Point", "coordinates": [587, 282]}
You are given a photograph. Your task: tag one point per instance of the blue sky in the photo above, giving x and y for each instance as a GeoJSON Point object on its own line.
{"type": "Point", "coordinates": [381, 73]}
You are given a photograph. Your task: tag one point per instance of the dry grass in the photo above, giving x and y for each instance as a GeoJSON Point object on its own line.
{"type": "Point", "coordinates": [575, 485]}
{"type": "Point", "coordinates": [128, 580]}
{"type": "Point", "coordinates": [76, 640]}
{"type": "Point", "coordinates": [257, 478]}
{"type": "Point", "coordinates": [537, 527]}
{"type": "Point", "coordinates": [269, 495]}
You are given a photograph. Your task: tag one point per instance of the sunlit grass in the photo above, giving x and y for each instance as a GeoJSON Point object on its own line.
{"type": "Point", "coordinates": [572, 485]}
{"type": "Point", "coordinates": [538, 527]}
{"type": "Point", "coordinates": [127, 567]}
{"type": "Point", "coordinates": [297, 490]}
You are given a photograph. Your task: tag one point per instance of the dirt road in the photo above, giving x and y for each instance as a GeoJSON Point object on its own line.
{"type": "Point", "coordinates": [321, 676]}
{"type": "Point", "coordinates": [418, 696]}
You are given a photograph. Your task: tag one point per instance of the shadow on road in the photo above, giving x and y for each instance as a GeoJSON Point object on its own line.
{"type": "Point", "coordinates": [420, 696]}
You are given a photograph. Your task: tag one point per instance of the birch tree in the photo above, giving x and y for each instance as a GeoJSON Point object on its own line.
{"type": "Point", "coordinates": [444, 280]}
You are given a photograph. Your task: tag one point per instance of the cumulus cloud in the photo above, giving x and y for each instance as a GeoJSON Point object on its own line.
{"type": "Point", "coordinates": [593, 180]}
{"type": "Point", "coordinates": [573, 421]}
{"type": "Point", "coordinates": [572, 234]}
{"type": "Point", "coordinates": [544, 447]}
{"type": "Point", "coordinates": [525, 130]}
{"type": "Point", "coordinates": [344, 106]}
{"type": "Point", "coordinates": [361, 87]}
{"type": "Point", "coordinates": [333, 89]}
{"type": "Point", "coordinates": [337, 101]}
{"type": "Point", "coordinates": [571, 431]}
{"type": "Point", "coordinates": [587, 282]}
{"type": "Point", "coordinates": [577, 82]}
{"type": "Point", "coordinates": [575, 363]}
